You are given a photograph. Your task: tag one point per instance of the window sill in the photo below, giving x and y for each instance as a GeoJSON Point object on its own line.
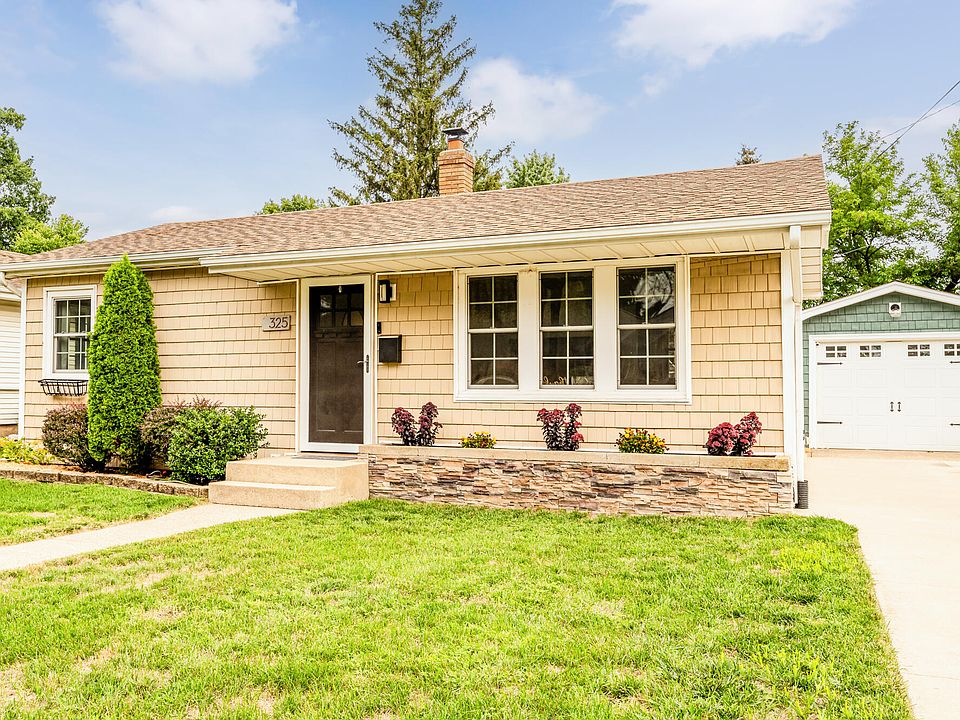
{"type": "Point", "coordinates": [571, 393]}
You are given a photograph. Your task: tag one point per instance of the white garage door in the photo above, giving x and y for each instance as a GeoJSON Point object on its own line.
{"type": "Point", "coordinates": [902, 395]}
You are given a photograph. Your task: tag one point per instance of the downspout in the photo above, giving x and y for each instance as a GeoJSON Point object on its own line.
{"type": "Point", "coordinates": [796, 268]}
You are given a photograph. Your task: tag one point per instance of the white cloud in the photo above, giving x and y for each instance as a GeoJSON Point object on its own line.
{"type": "Point", "coordinates": [530, 108]}
{"type": "Point", "coordinates": [175, 213]}
{"type": "Point", "coordinates": [198, 40]}
{"type": "Point", "coordinates": [688, 34]}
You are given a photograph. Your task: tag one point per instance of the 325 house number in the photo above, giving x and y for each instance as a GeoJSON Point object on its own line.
{"type": "Point", "coordinates": [274, 323]}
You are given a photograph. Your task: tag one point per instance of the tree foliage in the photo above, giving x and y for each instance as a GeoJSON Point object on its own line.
{"type": "Point", "coordinates": [36, 237]}
{"type": "Point", "coordinates": [878, 223]}
{"type": "Point", "coordinates": [22, 200]}
{"type": "Point", "coordinates": [535, 169]}
{"type": "Point", "coordinates": [748, 156]}
{"type": "Point", "coordinates": [942, 180]}
{"type": "Point", "coordinates": [124, 366]}
{"type": "Point", "coordinates": [393, 145]}
{"type": "Point", "coordinates": [295, 203]}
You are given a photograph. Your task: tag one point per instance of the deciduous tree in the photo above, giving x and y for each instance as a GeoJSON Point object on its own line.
{"type": "Point", "coordinates": [942, 180]}
{"type": "Point", "coordinates": [748, 156]}
{"type": "Point", "coordinates": [22, 200]}
{"type": "Point", "coordinates": [294, 203]}
{"type": "Point", "coordinates": [878, 223]}
{"type": "Point", "coordinates": [535, 169]}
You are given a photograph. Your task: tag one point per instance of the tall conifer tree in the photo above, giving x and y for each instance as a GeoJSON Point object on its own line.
{"type": "Point", "coordinates": [124, 366]}
{"type": "Point", "coordinates": [393, 146]}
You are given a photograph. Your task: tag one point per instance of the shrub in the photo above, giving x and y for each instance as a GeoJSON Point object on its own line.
{"type": "Point", "coordinates": [22, 451]}
{"type": "Point", "coordinates": [205, 439]}
{"type": "Point", "coordinates": [124, 366]}
{"type": "Point", "coordinates": [561, 428]}
{"type": "Point", "coordinates": [422, 432]}
{"type": "Point", "coordinates": [478, 440]}
{"type": "Point", "coordinates": [158, 425]}
{"type": "Point", "coordinates": [727, 439]}
{"type": "Point", "coordinates": [640, 441]}
{"type": "Point", "coordinates": [65, 436]}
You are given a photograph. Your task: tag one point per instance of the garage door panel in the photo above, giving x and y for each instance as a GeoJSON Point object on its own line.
{"type": "Point", "coordinates": [854, 395]}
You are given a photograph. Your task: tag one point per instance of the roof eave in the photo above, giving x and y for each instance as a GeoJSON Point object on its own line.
{"type": "Point", "coordinates": [224, 263]}
{"type": "Point", "coordinates": [175, 259]}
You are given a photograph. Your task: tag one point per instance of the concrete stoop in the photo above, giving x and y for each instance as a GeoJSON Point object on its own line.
{"type": "Point", "coordinates": [292, 482]}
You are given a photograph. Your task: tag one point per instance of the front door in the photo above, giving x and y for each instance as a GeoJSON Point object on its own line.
{"type": "Point", "coordinates": [337, 364]}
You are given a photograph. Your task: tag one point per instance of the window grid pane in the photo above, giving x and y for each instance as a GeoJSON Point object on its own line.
{"type": "Point", "coordinates": [647, 327]}
{"type": "Point", "coordinates": [492, 330]}
{"type": "Point", "coordinates": [71, 326]}
{"type": "Point", "coordinates": [566, 328]}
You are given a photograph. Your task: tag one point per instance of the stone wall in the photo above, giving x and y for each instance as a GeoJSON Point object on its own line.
{"type": "Point", "coordinates": [594, 482]}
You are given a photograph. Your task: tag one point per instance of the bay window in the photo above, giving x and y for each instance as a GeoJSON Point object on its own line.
{"type": "Point", "coordinates": [608, 331]}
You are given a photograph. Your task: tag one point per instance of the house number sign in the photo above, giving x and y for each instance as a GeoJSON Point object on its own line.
{"type": "Point", "coordinates": [275, 323]}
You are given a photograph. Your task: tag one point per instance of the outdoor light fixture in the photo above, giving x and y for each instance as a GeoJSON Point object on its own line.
{"type": "Point", "coordinates": [386, 291]}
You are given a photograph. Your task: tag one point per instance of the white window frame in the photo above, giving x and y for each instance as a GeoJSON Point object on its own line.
{"type": "Point", "coordinates": [50, 297]}
{"type": "Point", "coordinates": [605, 337]}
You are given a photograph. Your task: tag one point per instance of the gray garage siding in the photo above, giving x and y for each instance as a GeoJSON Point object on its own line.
{"type": "Point", "coordinates": [873, 316]}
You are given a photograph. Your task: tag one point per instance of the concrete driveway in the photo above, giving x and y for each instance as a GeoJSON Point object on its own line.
{"type": "Point", "coordinates": [907, 509]}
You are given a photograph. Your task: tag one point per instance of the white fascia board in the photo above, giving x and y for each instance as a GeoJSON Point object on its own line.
{"type": "Point", "coordinates": [487, 243]}
{"type": "Point", "coordinates": [78, 266]}
{"type": "Point", "coordinates": [880, 291]}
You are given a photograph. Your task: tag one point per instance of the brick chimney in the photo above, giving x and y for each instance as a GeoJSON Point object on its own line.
{"type": "Point", "coordinates": [456, 164]}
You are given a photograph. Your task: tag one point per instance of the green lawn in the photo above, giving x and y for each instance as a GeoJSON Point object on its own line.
{"type": "Point", "coordinates": [32, 510]}
{"type": "Point", "coordinates": [385, 610]}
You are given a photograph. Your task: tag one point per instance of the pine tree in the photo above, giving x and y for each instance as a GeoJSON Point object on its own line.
{"type": "Point", "coordinates": [124, 366]}
{"type": "Point", "coordinates": [748, 156]}
{"type": "Point", "coordinates": [393, 146]}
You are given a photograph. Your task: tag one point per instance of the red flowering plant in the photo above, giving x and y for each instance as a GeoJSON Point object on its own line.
{"type": "Point", "coordinates": [561, 428]}
{"type": "Point", "coordinates": [739, 439]}
{"type": "Point", "coordinates": [420, 432]}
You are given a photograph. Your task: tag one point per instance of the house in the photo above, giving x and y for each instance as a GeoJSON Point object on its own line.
{"type": "Point", "coordinates": [10, 344]}
{"type": "Point", "coordinates": [670, 302]}
{"type": "Point", "coordinates": [882, 370]}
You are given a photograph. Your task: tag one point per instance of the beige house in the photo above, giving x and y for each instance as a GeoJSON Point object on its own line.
{"type": "Point", "coordinates": [669, 302]}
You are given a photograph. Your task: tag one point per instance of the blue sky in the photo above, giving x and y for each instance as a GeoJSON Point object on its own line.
{"type": "Point", "coordinates": [145, 111]}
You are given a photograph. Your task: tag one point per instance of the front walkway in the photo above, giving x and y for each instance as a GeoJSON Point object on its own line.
{"type": "Point", "coordinates": [13, 557]}
{"type": "Point", "coordinates": [906, 507]}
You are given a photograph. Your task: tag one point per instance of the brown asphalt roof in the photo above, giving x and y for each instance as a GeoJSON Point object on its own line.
{"type": "Point", "coordinates": [7, 256]}
{"type": "Point", "coordinates": [761, 189]}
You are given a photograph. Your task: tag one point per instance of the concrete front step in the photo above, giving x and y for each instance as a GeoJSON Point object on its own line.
{"type": "Point", "coordinates": [294, 482]}
{"type": "Point", "coordinates": [274, 495]}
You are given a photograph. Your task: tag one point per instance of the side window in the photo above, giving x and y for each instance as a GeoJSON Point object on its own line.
{"type": "Point", "coordinates": [918, 350]}
{"type": "Point", "coordinates": [836, 351]}
{"type": "Point", "coordinates": [492, 330]}
{"type": "Point", "coordinates": [870, 351]}
{"type": "Point", "coordinates": [68, 321]}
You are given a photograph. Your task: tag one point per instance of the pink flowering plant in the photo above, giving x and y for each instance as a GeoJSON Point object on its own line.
{"type": "Point", "coordinates": [421, 432]}
{"type": "Point", "coordinates": [739, 439]}
{"type": "Point", "coordinates": [561, 428]}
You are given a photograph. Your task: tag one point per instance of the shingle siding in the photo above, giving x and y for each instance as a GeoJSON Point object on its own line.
{"type": "Point", "coordinates": [873, 316]}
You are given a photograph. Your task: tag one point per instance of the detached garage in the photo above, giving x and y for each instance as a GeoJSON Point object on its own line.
{"type": "Point", "coordinates": [882, 370]}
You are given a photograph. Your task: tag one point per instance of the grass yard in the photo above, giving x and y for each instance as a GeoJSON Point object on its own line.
{"type": "Point", "coordinates": [385, 610]}
{"type": "Point", "coordinates": [32, 510]}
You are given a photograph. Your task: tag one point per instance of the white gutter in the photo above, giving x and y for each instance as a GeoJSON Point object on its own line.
{"type": "Point", "coordinates": [76, 266]}
{"type": "Point", "coordinates": [520, 240]}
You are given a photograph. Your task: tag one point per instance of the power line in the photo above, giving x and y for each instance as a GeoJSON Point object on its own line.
{"type": "Point", "coordinates": [922, 117]}
{"type": "Point", "coordinates": [945, 107]}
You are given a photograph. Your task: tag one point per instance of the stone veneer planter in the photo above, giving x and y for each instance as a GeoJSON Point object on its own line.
{"type": "Point", "coordinates": [596, 482]}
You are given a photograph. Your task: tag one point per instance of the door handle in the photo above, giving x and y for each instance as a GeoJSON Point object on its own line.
{"type": "Point", "coordinates": [891, 406]}
{"type": "Point", "coordinates": [366, 363]}
{"type": "Point", "coordinates": [898, 406]}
